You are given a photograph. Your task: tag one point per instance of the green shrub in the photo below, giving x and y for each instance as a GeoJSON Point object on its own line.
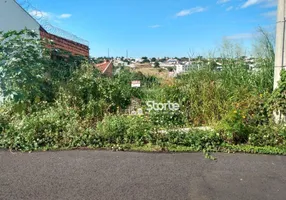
{"type": "Point", "coordinates": [195, 139]}
{"type": "Point", "coordinates": [270, 135]}
{"type": "Point", "coordinates": [244, 118]}
{"type": "Point", "coordinates": [22, 66]}
{"type": "Point", "coordinates": [278, 98]}
{"type": "Point", "coordinates": [113, 128]}
{"type": "Point", "coordinates": [234, 128]}
{"type": "Point", "coordinates": [140, 130]}
{"type": "Point", "coordinates": [5, 118]}
{"type": "Point", "coordinates": [67, 103]}
{"type": "Point", "coordinates": [54, 127]}
{"type": "Point", "coordinates": [257, 110]}
{"type": "Point", "coordinates": [96, 95]}
{"type": "Point", "coordinates": [168, 119]}
{"type": "Point", "coordinates": [119, 129]}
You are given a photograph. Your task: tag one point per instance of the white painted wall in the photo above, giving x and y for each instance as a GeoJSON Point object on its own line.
{"type": "Point", "coordinates": [14, 17]}
{"type": "Point", "coordinates": [180, 69]}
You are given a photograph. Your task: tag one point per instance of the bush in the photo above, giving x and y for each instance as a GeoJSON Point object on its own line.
{"type": "Point", "coordinates": [125, 129]}
{"type": "Point", "coordinates": [22, 66]}
{"type": "Point", "coordinates": [66, 102]}
{"type": "Point", "coordinates": [274, 135]}
{"type": "Point", "coordinates": [113, 129]}
{"type": "Point", "coordinates": [157, 64]}
{"type": "Point", "coordinates": [54, 127]}
{"type": "Point", "coordinates": [278, 98]}
{"type": "Point", "coordinates": [167, 119]}
{"type": "Point", "coordinates": [244, 118]}
{"type": "Point", "coordinates": [140, 131]}
{"type": "Point", "coordinates": [234, 128]}
{"type": "Point", "coordinates": [195, 139]}
{"type": "Point", "coordinates": [5, 118]}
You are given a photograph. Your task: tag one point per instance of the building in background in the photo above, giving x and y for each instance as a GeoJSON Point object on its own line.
{"type": "Point", "coordinates": [106, 67]}
{"type": "Point", "coordinates": [14, 17]}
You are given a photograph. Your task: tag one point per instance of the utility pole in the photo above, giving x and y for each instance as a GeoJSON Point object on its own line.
{"type": "Point", "coordinates": [280, 56]}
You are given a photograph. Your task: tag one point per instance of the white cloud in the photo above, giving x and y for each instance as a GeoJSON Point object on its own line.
{"type": "Point", "coordinates": [64, 16]}
{"type": "Point", "coordinates": [270, 3]}
{"type": "Point", "coordinates": [190, 11]}
{"type": "Point", "coordinates": [47, 15]}
{"type": "Point", "coordinates": [240, 36]}
{"type": "Point", "coordinates": [39, 14]}
{"type": "Point", "coordinates": [270, 14]}
{"type": "Point", "coordinates": [250, 3]}
{"type": "Point", "coordinates": [57, 21]}
{"type": "Point", "coordinates": [155, 26]}
{"type": "Point", "coordinates": [229, 8]}
{"type": "Point", "coordinates": [266, 3]}
{"type": "Point", "coordinates": [222, 1]}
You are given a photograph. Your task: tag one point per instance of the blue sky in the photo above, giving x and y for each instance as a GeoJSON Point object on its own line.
{"type": "Point", "coordinates": [157, 28]}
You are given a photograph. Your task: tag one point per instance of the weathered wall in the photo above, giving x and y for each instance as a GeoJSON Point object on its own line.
{"type": "Point", "coordinates": [64, 44]}
{"type": "Point", "coordinates": [14, 17]}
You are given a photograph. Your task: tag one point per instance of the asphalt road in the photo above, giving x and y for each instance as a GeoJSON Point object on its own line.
{"type": "Point", "coordinates": [124, 175]}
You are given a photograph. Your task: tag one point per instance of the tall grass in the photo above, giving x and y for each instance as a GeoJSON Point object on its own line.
{"type": "Point", "coordinates": [207, 95]}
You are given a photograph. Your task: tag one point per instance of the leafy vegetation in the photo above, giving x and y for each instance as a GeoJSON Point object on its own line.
{"type": "Point", "coordinates": [62, 101]}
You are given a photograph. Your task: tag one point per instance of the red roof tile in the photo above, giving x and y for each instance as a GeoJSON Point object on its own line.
{"type": "Point", "coordinates": [103, 66]}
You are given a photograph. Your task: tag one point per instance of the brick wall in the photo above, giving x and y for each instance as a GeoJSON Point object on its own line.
{"type": "Point", "coordinates": [67, 45]}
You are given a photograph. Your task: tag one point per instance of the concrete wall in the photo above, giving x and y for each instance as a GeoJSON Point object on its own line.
{"type": "Point", "coordinates": [14, 17]}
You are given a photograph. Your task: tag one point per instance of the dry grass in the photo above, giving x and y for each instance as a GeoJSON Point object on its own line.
{"type": "Point", "coordinates": [162, 75]}
{"type": "Point", "coordinates": [143, 65]}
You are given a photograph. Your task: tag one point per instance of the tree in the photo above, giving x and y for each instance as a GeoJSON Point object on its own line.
{"type": "Point", "coordinates": [145, 60]}
{"type": "Point", "coordinates": [153, 60]}
{"type": "Point", "coordinates": [23, 66]}
{"type": "Point", "coordinates": [163, 59]}
{"type": "Point", "coordinates": [157, 64]}
{"type": "Point", "coordinates": [127, 61]}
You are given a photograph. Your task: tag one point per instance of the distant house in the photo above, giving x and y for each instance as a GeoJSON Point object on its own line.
{"type": "Point", "coordinates": [180, 69]}
{"type": "Point", "coordinates": [138, 60]}
{"type": "Point", "coordinates": [119, 63]}
{"type": "Point", "coordinates": [105, 68]}
{"type": "Point", "coordinates": [172, 61]}
{"type": "Point", "coordinates": [14, 17]}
